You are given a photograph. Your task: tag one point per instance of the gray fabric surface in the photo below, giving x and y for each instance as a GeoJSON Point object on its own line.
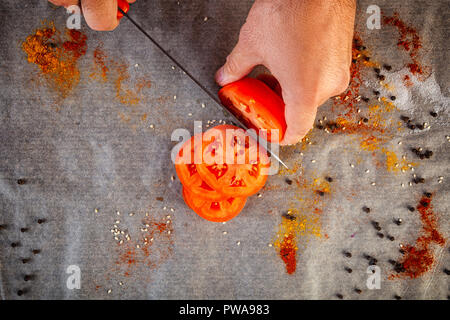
{"type": "Point", "coordinates": [83, 157]}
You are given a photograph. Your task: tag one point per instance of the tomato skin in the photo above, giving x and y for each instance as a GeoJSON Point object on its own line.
{"type": "Point", "coordinates": [189, 177]}
{"type": "Point", "coordinates": [220, 211]}
{"type": "Point", "coordinates": [231, 178]}
{"type": "Point", "coordinates": [256, 105]}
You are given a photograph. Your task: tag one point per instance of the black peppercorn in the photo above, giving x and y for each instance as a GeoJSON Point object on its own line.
{"type": "Point", "coordinates": [393, 98]}
{"type": "Point", "coordinates": [398, 267]}
{"type": "Point", "coordinates": [329, 179]}
{"type": "Point", "coordinates": [288, 181]}
{"type": "Point", "coordinates": [417, 180]}
{"type": "Point", "coordinates": [376, 225]}
{"type": "Point", "coordinates": [288, 215]}
{"type": "Point", "coordinates": [347, 254]}
{"type": "Point", "coordinates": [387, 67]}
{"type": "Point", "coordinates": [433, 114]}
{"type": "Point", "coordinates": [340, 296]}
{"type": "Point", "coordinates": [349, 270]}
{"type": "Point", "coordinates": [366, 209]}
{"type": "Point", "coordinates": [358, 291]}
{"type": "Point", "coordinates": [28, 277]}
{"type": "Point", "coordinates": [21, 181]}
{"type": "Point", "coordinates": [404, 118]}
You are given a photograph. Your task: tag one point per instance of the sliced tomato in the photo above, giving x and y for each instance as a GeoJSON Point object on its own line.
{"type": "Point", "coordinates": [232, 162]}
{"type": "Point", "coordinates": [257, 106]}
{"type": "Point", "coordinates": [216, 211]}
{"type": "Point", "coordinates": [188, 175]}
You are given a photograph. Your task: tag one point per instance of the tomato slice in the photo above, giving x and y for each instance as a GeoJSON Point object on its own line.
{"type": "Point", "coordinates": [232, 162]}
{"type": "Point", "coordinates": [188, 175]}
{"type": "Point", "coordinates": [216, 211]}
{"type": "Point", "coordinates": [257, 106]}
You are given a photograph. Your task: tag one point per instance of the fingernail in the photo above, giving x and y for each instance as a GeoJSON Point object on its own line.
{"type": "Point", "coordinates": [220, 76]}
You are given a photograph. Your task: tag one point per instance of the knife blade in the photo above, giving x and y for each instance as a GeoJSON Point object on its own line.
{"type": "Point", "coordinates": [201, 86]}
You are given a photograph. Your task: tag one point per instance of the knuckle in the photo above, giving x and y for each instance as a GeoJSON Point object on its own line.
{"type": "Point", "coordinates": [232, 66]}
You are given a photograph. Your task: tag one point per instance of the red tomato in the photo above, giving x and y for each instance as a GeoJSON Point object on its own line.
{"type": "Point", "coordinates": [256, 105]}
{"type": "Point", "coordinates": [233, 163]}
{"type": "Point", "coordinates": [188, 175]}
{"type": "Point", "coordinates": [215, 211]}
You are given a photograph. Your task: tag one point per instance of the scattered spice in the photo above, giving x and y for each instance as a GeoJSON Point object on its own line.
{"type": "Point", "coordinates": [57, 59]}
{"type": "Point", "coordinates": [419, 258]}
{"type": "Point", "coordinates": [288, 252]}
{"type": "Point", "coordinates": [410, 41]}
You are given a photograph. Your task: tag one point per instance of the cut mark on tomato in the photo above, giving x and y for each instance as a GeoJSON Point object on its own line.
{"type": "Point", "coordinates": [204, 185]}
{"type": "Point", "coordinates": [235, 182]}
{"type": "Point", "coordinates": [192, 169]}
{"type": "Point", "coordinates": [218, 170]}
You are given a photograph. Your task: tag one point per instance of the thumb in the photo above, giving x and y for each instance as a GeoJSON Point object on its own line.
{"type": "Point", "coordinates": [100, 15]}
{"type": "Point", "coordinates": [239, 63]}
{"type": "Point", "coordinates": [300, 115]}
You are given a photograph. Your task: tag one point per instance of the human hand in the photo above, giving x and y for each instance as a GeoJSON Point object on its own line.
{"type": "Point", "coordinates": [306, 45]}
{"type": "Point", "coordinates": [100, 15]}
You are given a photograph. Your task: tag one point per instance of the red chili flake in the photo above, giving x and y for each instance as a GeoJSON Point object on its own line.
{"type": "Point", "coordinates": [419, 259]}
{"type": "Point", "coordinates": [410, 41]}
{"type": "Point", "coordinates": [151, 248]}
{"type": "Point", "coordinates": [100, 61]}
{"type": "Point", "coordinates": [76, 44]}
{"type": "Point", "coordinates": [288, 253]}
